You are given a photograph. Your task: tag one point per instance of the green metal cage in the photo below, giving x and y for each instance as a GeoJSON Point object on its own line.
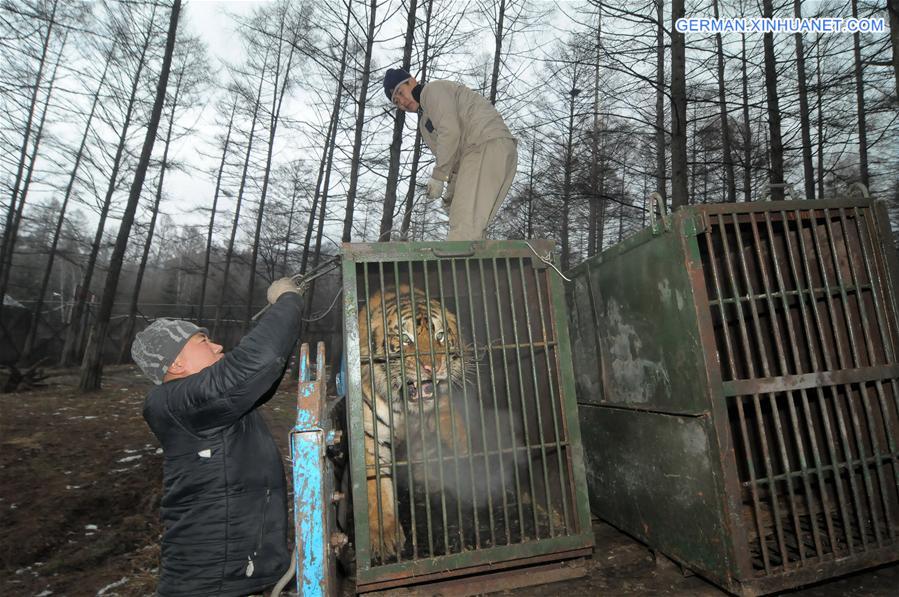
{"type": "Point", "coordinates": [465, 453]}
{"type": "Point", "coordinates": [738, 382]}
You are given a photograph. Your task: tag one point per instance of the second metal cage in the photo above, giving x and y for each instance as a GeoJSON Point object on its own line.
{"type": "Point", "coordinates": [739, 389]}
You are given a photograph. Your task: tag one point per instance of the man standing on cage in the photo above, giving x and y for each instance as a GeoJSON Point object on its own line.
{"type": "Point", "coordinates": [224, 503]}
{"type": "Point", "coordinates": [476, 154]}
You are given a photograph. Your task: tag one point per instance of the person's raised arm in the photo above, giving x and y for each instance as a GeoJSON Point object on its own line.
{"type": "Point", "coordinates": [223, 392]}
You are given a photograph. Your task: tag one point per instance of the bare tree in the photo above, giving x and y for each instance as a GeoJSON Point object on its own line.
{"type": "Point", "coordinates": [360, 123]}
{"type": "Point", "coordinates": [776, 150]}
{"type": "Point", "coordinates": [860, 103]}
{"type": "Point", "coordinates": [215, 198]}
{"type": "Point", "coordinates": [678, 110]}
{"type": "Point", "coordinates": [67, 194]}
{"type": "Point", "coordinates": [26, 139]}
{"type": "Point", "coordinates": [725, 125]}
{"type": "Point", "coordinates": [295, 30]}
{"type": "Point", "coordinates": [399, 122]}
{"type": "Point", "coordinates": [92, 367]}
{"type": "Point", "coordinates": [229, 255]}
{"type": "Point", "coordinates": [74, 338]}
{"type": "Point", "coordinates": [808, 172]}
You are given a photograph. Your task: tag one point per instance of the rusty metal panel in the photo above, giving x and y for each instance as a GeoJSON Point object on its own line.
{"type": "Point", "coordinates": [464, 441]}
{"type": "Point", "coordinates": [793, 344]}
{"type": "Point", "coordinates": [665, 464]}
{"type": "Point", "coordinates": [649, 355]}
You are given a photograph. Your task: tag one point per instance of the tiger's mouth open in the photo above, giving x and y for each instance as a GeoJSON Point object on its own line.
{"type": "Point", "coordinates": [423, 391]}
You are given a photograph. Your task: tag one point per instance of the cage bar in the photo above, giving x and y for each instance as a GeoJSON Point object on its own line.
{"type": "Point", "coordinates": [464, 439]}
{"type": "Point", "coordinates": [745, 382]}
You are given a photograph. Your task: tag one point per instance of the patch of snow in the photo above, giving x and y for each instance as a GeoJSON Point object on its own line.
{"type": "Point", "coordinates": [44, 593]}
{"type": "Point", "coordinates": [73, 486]}
{"type": "Point", "coordinates": [158, 451]}
{"type": "Point", "coordinates": [114, 585]}
{"type": "Point", "coordinates": [91, 417]}
{"type": "Point", "coordinates": [90, 527]}
{"type": "Point", "coordinates": [130, 451]}
{"type": "Point", "coordinates": [130, 458]}
{"type": "Point", "coordinates": [14, 506]}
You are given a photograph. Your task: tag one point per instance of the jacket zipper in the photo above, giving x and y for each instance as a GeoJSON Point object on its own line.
{"type": "Point", "coordinates": [251, 566]}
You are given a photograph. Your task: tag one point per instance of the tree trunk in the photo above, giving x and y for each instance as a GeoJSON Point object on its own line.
{"type": "Point", "coordinates": [776, 172]}
{"type": "Point", "coordinates": [661, 167]}
{"type": "Point", "coordinates": [399, 123]}
{"type": "Point", "coordinates": [860, 102]}
{"type": "Point", "coordinates": [229, 254]}
{"type": "Point", "coordinates": [328, 152]}
{"type": "Point", "coordinates": [729, 181]}
{"type": "Point", "coordinates": [747, 127]}
{"type": "Point", "coordinates": [277, 101]}
{"type": "Point", "coordinates": [808, 172]}
{"type": "Point", "coordinates": [360, 125]}
{"type": "Point", "coordinates": [594, 145]}
{"type": "Point", "coordinates": [566, 184]}
{"type": "Point", "coordinates": [530, 213]}
{"type": "Point", "coordinates": [92, 367]}
{"type": "Point", "coordinates": [45, 281]}
{"type": "Point", "coordinates": [310, 224]}
{"type": "Point", "coordinates": [124, 351]}
{"type": "Point", "coordinates": [497, 51]}
{"type": "Point", "coordinates": [893, 10]}
{"type": "Point", "coordinates": [12, 235]}
{"type": "Point", "coordinates": [819, 92]}
{"type": "Point", "coordinates": [416, 150]}
{"type": "Point", "coordinates": [215, 199]}
{"type": "Point", "coordinates": [72, 347]}
{"type": "Point", "coordinates": [293, 205]}
{"type": "Point", "coordinates": [26, 139]}
{"type": "Point", "coordinates": [678, 110]}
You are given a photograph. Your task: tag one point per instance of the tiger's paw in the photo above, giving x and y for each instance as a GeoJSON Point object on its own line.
{"type": "Point", "coordinates": [386, 535]}
{"type": "Point", "coordinates": [393, 538]}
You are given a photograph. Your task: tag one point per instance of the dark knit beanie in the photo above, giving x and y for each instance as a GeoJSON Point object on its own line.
{"type": "Point", "coordinates": [393, 78]}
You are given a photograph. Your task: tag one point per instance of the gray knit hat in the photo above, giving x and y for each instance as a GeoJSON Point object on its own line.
{"type": "Point", "coordinates": [156, 347]}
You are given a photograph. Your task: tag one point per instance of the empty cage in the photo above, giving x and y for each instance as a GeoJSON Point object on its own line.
{"type": "Point", "coordinates": [783, 316]}
{"type": "Point", "coordinates": [464, 439]}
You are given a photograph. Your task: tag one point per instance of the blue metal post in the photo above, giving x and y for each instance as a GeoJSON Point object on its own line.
{"type": "Point", "coordinates": [311, 480]}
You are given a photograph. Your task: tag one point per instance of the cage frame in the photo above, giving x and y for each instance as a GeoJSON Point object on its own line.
{"type": "Point", "coordinates": [385, 576]}
{"type": "Point", "coordinates": [707, 410]}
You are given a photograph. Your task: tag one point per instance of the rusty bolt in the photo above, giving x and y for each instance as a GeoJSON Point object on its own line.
{"type": "Point", "coordinates": [337, 496]}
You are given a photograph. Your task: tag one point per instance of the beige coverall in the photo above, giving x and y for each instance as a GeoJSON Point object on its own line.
{"type": "Point", "coordinates": [476, 153]}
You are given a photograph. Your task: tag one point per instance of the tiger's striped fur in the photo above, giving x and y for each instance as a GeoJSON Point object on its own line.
{"type": "Point", "coordinates": [400, 394]}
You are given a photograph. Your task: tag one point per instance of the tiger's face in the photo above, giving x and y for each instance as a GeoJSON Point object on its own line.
{"type": "Point", "coordinates": [418, 350]}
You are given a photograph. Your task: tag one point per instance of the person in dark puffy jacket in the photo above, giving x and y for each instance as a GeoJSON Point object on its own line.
{"type": "Point", "coordinates": [224, 504]}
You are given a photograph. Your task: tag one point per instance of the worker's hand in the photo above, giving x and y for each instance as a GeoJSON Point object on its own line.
{"type": "Point", "coordinates": [450, 191]}
{"type": "Point", "coordinates": [435, 188]}
{"type": "Point", "coordinates": [279, 287]}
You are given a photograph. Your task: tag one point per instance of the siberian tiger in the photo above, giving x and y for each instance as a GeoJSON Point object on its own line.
{"type": "Point", "coordinates": [395, 387]}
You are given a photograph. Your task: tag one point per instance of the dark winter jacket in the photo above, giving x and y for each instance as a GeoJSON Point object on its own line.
{"type": "Point", "coordinates": [224, 504]}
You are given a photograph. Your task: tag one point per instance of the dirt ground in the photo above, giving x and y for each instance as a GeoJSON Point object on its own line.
{"type": "Point", "coordinates": [80, 482]}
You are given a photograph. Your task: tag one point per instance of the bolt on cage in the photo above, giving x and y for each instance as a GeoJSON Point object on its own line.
{"type": "Point", "coordinates": [739, 388]}
{"type": "Point", "coordinates": [464, 445]}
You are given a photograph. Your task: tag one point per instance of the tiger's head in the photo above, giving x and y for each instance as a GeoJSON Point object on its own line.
{"type": "Point", "coordinates": [419, 349]}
